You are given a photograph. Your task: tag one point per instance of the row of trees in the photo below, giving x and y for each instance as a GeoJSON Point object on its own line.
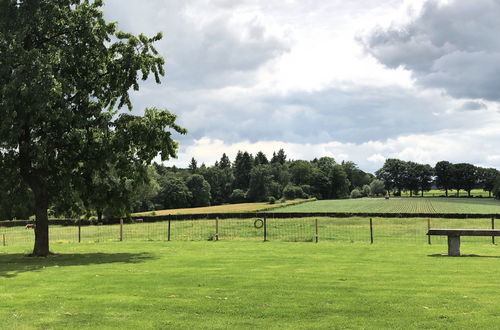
{"type": "Point", "coordinates": [117, 192]}
{"type": "Point", "coordinates": [252, 178]}
{"type": "Point", "coordinates": [400, 175]}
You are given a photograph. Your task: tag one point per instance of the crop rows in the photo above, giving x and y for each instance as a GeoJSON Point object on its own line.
{"type": "Point", "coordinates": [400, 206]}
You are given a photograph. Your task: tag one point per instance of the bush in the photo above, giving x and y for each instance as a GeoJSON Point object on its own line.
{"type": "Point", "coordinates": [272, 200]}
{"type": "Point", "coordinates": [366, 191]}
{"type": "Point", "coordinates": [237, 196]}
{"type": "Point", "coordinates": [377, 187]}
{"type": "Point", "coordinates": [292, 192]}
{"type": "Point", "coordinates": [355, 193]}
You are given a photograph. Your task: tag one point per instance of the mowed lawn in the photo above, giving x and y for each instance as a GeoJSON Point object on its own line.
{"type": "Point", "coordinates": [400, 205]}
{"type": "Point", "coordinates": [274, 285]}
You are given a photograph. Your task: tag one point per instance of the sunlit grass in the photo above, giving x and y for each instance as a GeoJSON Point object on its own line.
{"type": "Point", "coordinates": [242, 285]}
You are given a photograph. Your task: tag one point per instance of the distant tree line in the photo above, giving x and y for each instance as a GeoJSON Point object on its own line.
{"type": "Point", "coordinates": [247, 178]}
{"type": "Point", "coordinates": [254, 178]}
{"type": "Point", "coordinates": [399, 175]}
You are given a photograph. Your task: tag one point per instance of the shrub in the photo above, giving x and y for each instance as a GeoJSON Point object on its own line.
{"type": "Point", "coordinates": [355, 193]}
{"type": "Point", "coordinates": [377, 187]}
{"type": "Point", "coordinates": [237, 196]}
{"type": "Point", "coordinates": [272, 200]}
{"type": "Point", "coordinates": [292, 192]}
{"type": "Point", "coordinates": [366, 191]}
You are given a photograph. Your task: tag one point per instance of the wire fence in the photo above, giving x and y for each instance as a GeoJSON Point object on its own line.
{"type": "Point", "coordinates": [350, 230]}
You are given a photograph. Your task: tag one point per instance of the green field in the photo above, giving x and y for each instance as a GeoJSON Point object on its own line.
{"type": "Point", "coordinates": [400, 205]}
{"type": "Point", "coordinates": [274, 285]}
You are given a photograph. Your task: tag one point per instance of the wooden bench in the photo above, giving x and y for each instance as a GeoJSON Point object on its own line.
{"type": "Point", "coordinates": [454, 236]}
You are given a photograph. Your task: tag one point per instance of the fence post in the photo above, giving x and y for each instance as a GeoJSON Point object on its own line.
{"type": "Point", "coordinates": [168, 233]}
{"type": "Point", "coordinates": [79, 231]}
{"type": "Point", "coordinates": [121, 230]}
{"type": "Point", "coordinates": [429, 228]}
{"type": "Point", "coordinates": [493, 227]}
{"type": "Point", "coordinates": [265, 229]}
{"type": "Point", "coordinates": [3, 236]}
{"type": "Point", "coordinates": [371, 231]}
{"type": "Point", "coordinates": [216, 228]}
{"type": "Point", "coordinates": [316, 225]}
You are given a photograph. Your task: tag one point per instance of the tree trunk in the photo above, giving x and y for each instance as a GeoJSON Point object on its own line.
{"type": "Point", "coordinates": [99, 216]}
{"type": "Point", "coordinates": [33, 178]}
{"type": "Point", "coordinates": [422, 193]}
{"type": "Point", "coordinates": [41, 248]}
{"type": "Point", "coordinates": [446, 192]}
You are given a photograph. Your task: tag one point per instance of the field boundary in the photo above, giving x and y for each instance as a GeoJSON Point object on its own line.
{"type": "Point", "coordinates": [315, 214]}
{"type": "Point", "coordinates": [250, 215]}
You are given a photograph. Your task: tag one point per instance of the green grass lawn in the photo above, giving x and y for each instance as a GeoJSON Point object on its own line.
{"type": "Point", "coordinates": [400, 205]}
{"type": "Point", "coordinates": [275, 285]}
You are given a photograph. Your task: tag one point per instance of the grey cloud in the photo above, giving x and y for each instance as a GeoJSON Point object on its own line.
{"type": "Point", "coordinates": [331, 115]}
{"type": "Point", "coordinates": [201, 52]}
{"type": "Point", "coordinates": [453, 46]}
{"type": "Point", "coordinates": [472, 106]}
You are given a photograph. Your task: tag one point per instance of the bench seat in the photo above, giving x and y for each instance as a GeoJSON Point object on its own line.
{"type": "Point", "coordinates": [454, 236]}
{"type": "Point", "coordinates": [464, 232]}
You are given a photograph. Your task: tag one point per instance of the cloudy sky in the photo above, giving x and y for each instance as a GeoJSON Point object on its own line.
{"type": "Point", "coordinates": [359, 80]}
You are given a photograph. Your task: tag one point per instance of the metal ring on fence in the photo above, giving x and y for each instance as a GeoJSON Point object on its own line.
{"type": "Point", "coordinates": [259, 223]}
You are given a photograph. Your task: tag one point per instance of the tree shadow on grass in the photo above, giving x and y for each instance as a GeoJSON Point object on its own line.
{"type": "Point", "coordinates": [13, 264]}
{"type": "Point", "coordinates": [462, 256]}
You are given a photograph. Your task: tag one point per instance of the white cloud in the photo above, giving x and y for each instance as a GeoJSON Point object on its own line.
{"type": "Point", "coordinates": [451, 145]}
{"type": "Point", "coordinates": [270, 74]}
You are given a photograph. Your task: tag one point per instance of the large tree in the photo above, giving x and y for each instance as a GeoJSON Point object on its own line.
{"type": "Point", "coordinates": [64, 72]}
{"type": "Point", "coordinates": [242, 166]}
{"type": "Point", "coordinates": [410, 180]}
{"type": "Point", "coordinates": [260, 183]}
{"type": "Point", "coordinates": [445, 173]}
{"type": "Point", "coordinates": [424, 174]}
{"type": "Point", "coordinates": [465, 178]}
{"type": "Point", "coordinates": [488, 178]}
{"type": "Point", "coordinates": [393, 175]}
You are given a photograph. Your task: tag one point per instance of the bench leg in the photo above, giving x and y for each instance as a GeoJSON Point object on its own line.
{"type": "Point", "coordinates": [454, 246]}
